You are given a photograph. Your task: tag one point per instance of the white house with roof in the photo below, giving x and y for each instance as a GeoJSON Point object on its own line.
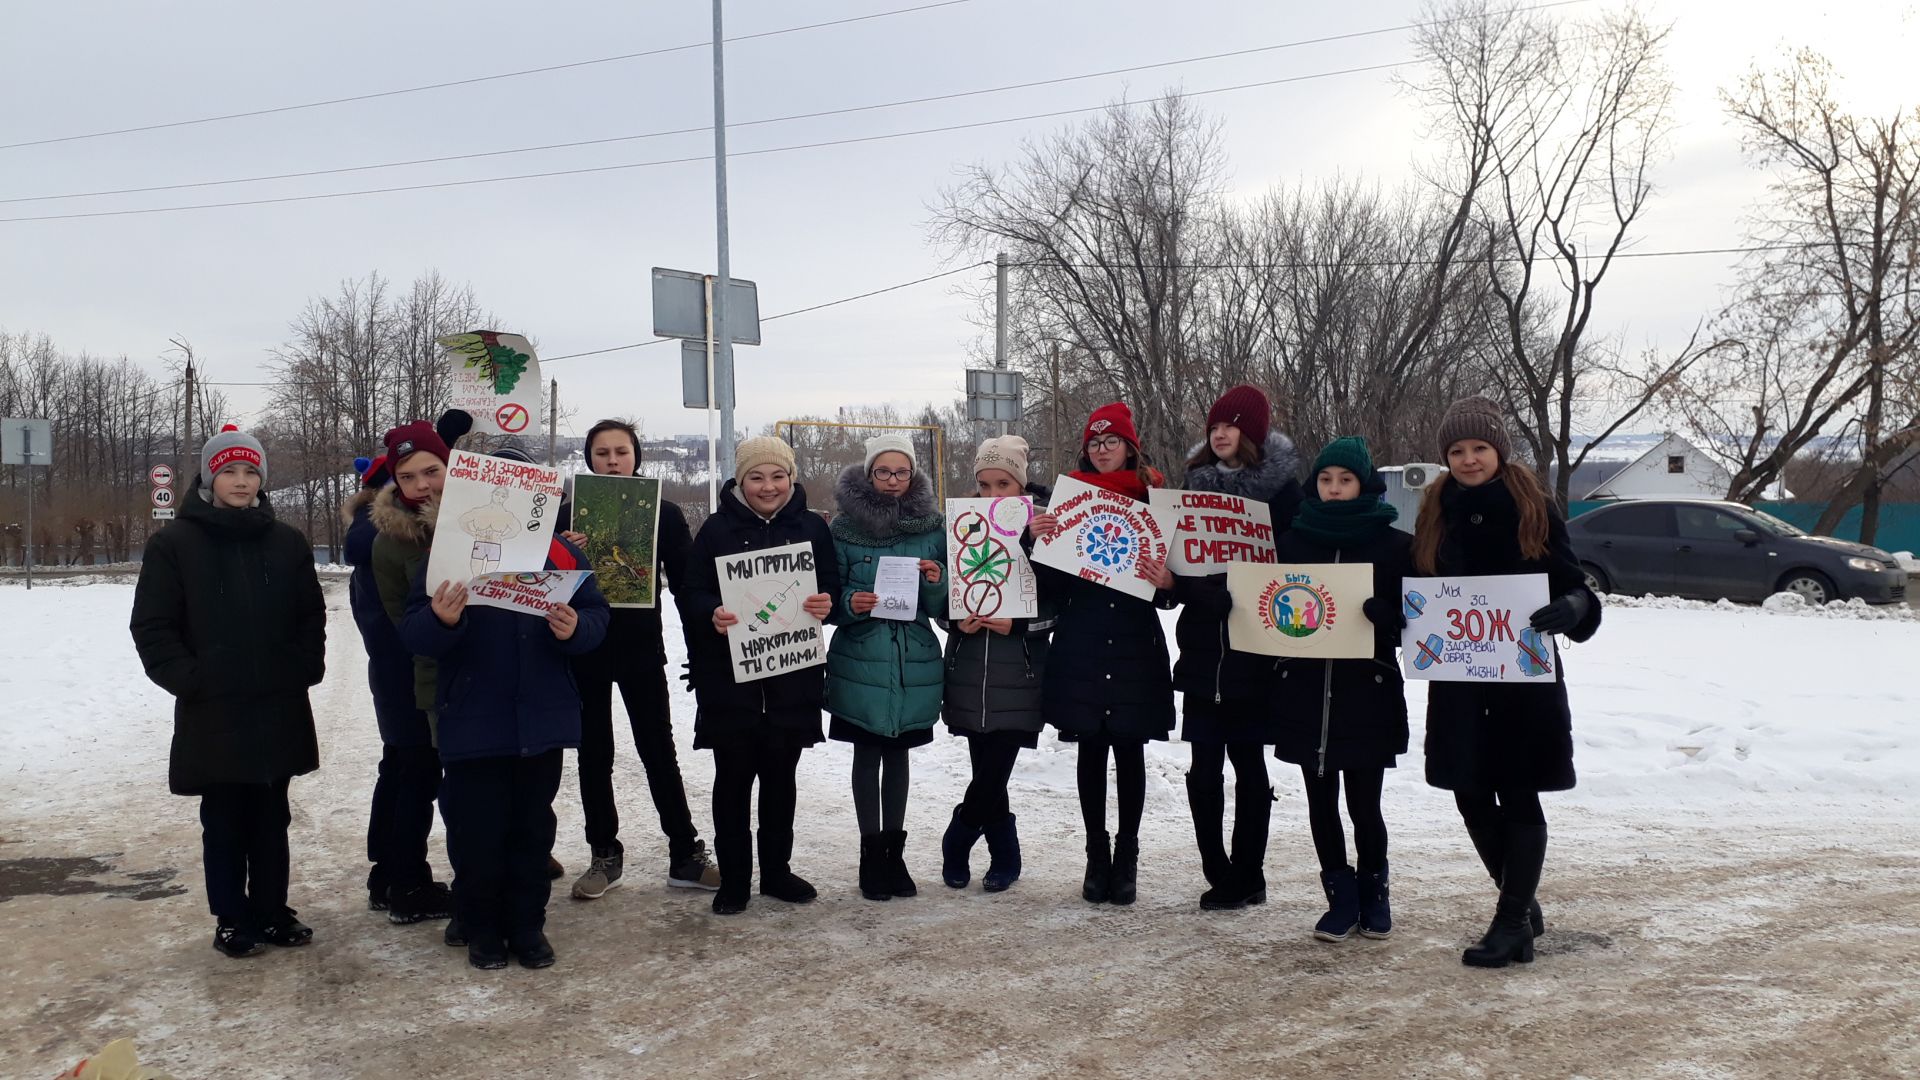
{"type": "Point", "coordinates": [1674, 469]}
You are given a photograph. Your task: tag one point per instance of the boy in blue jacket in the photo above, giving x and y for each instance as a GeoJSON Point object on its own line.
{"type": "Point", "coordinates": [506, 709]}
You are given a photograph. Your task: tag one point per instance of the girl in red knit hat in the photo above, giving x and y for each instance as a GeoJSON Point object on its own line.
{"type": "Point", "coordinates": [1226, 710]}
{"type": "Point", "coordinates": [1107, 683]}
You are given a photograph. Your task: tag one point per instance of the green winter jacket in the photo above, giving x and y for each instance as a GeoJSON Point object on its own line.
{"type": "Point", "coordinates": [884, 675]}
{"type": "Point", "coordinates": [399, 556]}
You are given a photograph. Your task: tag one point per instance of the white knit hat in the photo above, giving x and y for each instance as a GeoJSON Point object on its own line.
{"type": "Point", "coordinates": [894, 443]}
{"type": "Point", "coordinates": [1008, 453]}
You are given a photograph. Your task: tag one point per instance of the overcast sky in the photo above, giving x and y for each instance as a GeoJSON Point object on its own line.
{"type": "Point", "coordinates": [566, 259]}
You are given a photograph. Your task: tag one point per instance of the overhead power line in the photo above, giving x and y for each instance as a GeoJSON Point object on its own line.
{"type": "Point", "coordinates": [666, 132]}
{"type": "Point", "coordinates": [476, 79]}
{"type": "Point", "coordinates": [850, 141]}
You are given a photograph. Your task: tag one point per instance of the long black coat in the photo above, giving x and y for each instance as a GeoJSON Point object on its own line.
{"type": "Point", "coordinates": [228, 618]}
{"type": "Point", "coordinates": [635, 635]}
{"type": "Point", "coordinates": [1225, 693]}
{"type": "Point", "coordinates": [995, 682]}
{"type": "Point", "coordinates": [1346, 714]}
{"type": "Point", "coordinates": [783, 708]}
{"type": "Point", "coordinates": [1503, 736]}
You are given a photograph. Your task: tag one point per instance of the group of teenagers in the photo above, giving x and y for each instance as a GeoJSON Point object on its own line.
{"type": "Point", "coordinates": [476, 705]}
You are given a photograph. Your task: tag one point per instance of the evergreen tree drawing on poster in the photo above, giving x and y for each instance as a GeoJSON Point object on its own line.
{"type": "Point", "coordinates": [620, 517]}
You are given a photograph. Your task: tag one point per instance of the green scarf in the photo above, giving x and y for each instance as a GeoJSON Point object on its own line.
{"type": "Point", "coordinates": [1344, 524]}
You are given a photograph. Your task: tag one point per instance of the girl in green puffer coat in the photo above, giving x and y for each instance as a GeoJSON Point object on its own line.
{"type": "Point", "coordinates": [885, 676]}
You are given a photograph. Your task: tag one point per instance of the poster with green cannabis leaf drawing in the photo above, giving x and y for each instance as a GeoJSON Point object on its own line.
{"type": "Point", "coordinates": [496, 377]}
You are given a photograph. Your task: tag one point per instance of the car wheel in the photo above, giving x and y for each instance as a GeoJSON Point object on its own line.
{"type": "Point", "coordinates": [1810, 585]}
{"type": "Point", "coordinates": [1596, 579]}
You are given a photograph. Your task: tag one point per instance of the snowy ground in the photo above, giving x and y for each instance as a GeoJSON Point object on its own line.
{"type": "Point", "coordinates": [1733, 891]}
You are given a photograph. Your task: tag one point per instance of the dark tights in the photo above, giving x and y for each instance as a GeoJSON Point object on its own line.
{"type": "Point", "coordinates": [1129, 774]}
{"type": "Point", "coordinates": [993, 755]}
{"type": "Point", "coordinates": [1363, 806]}
{"type": "Point", "coordinates": [879, 788]}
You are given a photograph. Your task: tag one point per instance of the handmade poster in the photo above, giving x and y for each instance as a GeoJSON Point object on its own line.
{"type": "Point", "coordinates": [765, 589]}
{"type": "Point", "coordinates": [1208, 531]}
{"type": "Point", "coordinates": [1101, 536]}
{"type": "Point", "coordinates": [533, 593]}
{"type": "Point", "coordinates": [496, 517]}
{"type": "Point", "coordinates": [989, 574]}
{"type": "Point", "coordinates": [496, 377]}
{"type": "Point", "coordinates": [1310, 610]}
{"type": "Point", "coordinates": [1474, 629]}
{"type": "Point", "coordinates": [620, 517]}
{"type": "Point", "coordinates": [897, 583]}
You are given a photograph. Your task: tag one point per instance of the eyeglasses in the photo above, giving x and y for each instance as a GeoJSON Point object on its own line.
{"type": "Point", "coordinates": [893, 474]}
{"type": "Point", "coordinates": [1106, 442]}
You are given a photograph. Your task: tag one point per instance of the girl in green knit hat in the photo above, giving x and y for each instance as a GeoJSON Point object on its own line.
{"type": "Point", "coordinates": [1347, 719]}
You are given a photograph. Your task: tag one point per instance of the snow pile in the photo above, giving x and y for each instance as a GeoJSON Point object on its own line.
{"type": "Point", "coordinates": [1907, 562]}
{"type": "Point", "coordinates": [1790, 604]}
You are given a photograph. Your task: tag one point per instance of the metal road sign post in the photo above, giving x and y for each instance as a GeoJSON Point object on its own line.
{"type": "Point", "coordinates": [27, 443]}
{"type": "Point", "coordinates": [690, 306]}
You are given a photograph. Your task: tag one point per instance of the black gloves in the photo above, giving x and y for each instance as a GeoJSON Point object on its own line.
{"type": "Point", "coordinates": [1562, 615]}
{"type": "Point", "coordinates": [1384, 612]}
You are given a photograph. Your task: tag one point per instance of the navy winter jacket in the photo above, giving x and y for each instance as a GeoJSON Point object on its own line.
{"type": "Point", "coordinates": [389, 664]}
{"type": "Point", "coordinates": [505, 688]}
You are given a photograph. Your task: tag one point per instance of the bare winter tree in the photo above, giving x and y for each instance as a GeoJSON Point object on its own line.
{"type": "Point", "coordinates": [1827, 313]}
{"type": "Point", "coordinates": [1572, 117]}
{"type": "Point", "coordinates": [1107, 225]}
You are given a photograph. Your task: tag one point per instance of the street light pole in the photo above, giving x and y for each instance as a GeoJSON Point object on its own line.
{"type": "Point", "coordinates": [723, 341]}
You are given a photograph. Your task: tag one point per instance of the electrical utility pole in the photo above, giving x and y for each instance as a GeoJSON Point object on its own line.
{"type": "Point", "coordinates": [723, 341]}
{"type": "Point", "coordinates": [553, 417]}
{"type": "Point", "coordinates": [1000, 318]}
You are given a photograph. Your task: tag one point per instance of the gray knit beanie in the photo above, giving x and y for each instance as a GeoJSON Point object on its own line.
{"type": "Point", "coordinates": [1475, 418]}
{"type": "Point", "coordinates": [231, 447]}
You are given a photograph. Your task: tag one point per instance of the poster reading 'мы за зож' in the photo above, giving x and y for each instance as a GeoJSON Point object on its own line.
{"type": "Point", "coordinates": [496, 517]}
{"type": "Point", "coordinates": [1474, 629]}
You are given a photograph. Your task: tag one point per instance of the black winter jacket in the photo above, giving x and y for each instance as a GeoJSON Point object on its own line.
{"type": "Point", "coordinates": [228, 618]}
{"type": "Point", "coordinates": [635, 635]}
{"type": "Point", "coordinates": [389, 664]}
{"type": "Point", "coordinates": [1503, 736]}
{"type": "Point", "coordinates": [994, 682]}
{"type": "Point", "coordinates": [1346, 714]}
{"type": "Point", "coordinates": [1225, 692]}
{"type": "Point", "coordinates": [784, 708]}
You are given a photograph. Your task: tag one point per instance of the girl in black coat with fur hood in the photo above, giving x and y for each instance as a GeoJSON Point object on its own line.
{"type": "Point", "coordinates": [1224, 704]}
{"type": "Point", "coordinates": [1497, 746]}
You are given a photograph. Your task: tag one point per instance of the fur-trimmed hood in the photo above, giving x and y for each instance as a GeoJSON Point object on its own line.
{"type": "Point", "coordinates": [400, 521]}
{"type": "Point", "coordinates": [1279, 466]}
{"type": "Point", "coordinates": [351, 508]}
{"type": "Point", "coordinates": [866, 516]}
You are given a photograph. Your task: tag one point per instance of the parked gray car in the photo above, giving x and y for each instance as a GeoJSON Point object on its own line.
{"type": "Point", "coordinates": [1713, 550]}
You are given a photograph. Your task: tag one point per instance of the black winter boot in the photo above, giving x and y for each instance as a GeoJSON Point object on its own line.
{"type": "Point", "coordinates": [777, 878]}
{"type": "Point", "coordinates": [1099, 870]}
{"type": "Point", "coordinates": [734, 852]}
{"type": "Point", "coordinates": [874, 882]}
{"type": "Point", "coordinates": [1252, 815]}
{"type": "Point", "coordinates": [1003, 847]}
{"type": "Point", "coordinates": [1206, 798]}
{"type": "Point", "coordinates": [1510, 937]}
{"type": "Point", "coordinates": [1126, 866]}
{"type": "Point", "coordinates": [1491, 844]}
{"type": "Point", "coordinates": [955, 847]}
{"type": "Point", "coordinates": [899, 879]}
{"type": "Point", "coordinates": [1376, 914]}
{"type": "Point", "coordinates": [1343, 905]}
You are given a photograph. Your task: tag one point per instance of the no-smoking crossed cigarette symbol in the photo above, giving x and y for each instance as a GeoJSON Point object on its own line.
{"type": "Point", "coordinates": [512, 417]}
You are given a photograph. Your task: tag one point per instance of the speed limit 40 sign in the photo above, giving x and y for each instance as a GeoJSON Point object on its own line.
{"type": "Point", "coordinates": [161, 498]}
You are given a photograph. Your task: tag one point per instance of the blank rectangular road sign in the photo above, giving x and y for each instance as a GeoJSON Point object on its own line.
{"type": "Point", "coordinates": [680, 307]}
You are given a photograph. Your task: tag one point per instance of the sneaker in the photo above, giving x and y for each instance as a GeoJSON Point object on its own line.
{"type": "Point", "coordinates": [284, 931]}
{"type": "Point", "coordinates": [696, 871]}
{"type": "Point", "coordinates": [236, 940]}
{"type": "Point", "coordinates": [420, 903]}
{"type": "Point", "coordinates": [604, 874]}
